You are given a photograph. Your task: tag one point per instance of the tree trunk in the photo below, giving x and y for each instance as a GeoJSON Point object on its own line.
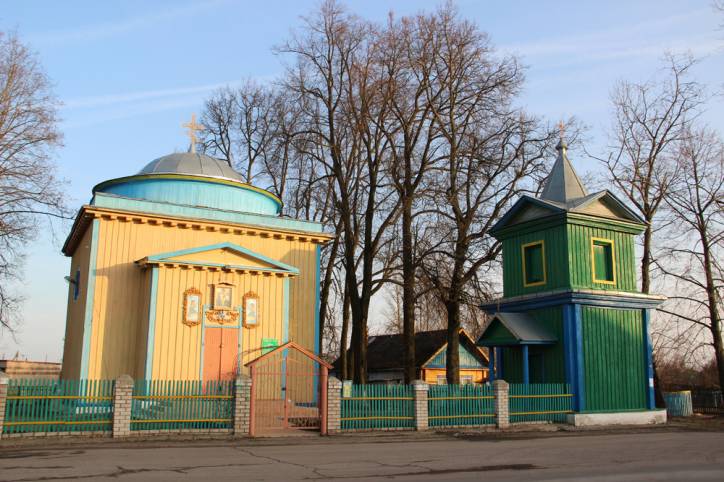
{"type": "Point", "coordinates": [344, 367]}
{"type": "Point", "coordinates": [452, 357]}
{"type": "Point", "coordinates": [408, 293]}
{"type": "Point", "coordinates": [324, 290]}
{"type": "Point", "coordinates": [713, 304]}
{"type": "Point", "coordinates": [646, 261]}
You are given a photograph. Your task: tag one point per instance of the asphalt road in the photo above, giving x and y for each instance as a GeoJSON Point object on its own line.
{"type": "Point", "coordinates": [681, 456]}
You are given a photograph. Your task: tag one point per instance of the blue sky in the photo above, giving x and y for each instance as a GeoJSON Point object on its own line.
{"type": "Point", "coordinates": [129, 73]}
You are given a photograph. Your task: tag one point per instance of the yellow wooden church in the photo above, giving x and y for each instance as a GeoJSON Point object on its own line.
{"type": "Point", "coordinates": [185, 272]}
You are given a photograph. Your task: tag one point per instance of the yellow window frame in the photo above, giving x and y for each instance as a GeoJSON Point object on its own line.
{"type": "Point", "coordinates": [543, 256]}
{"type": "Point", "coordinates": [611, 243]}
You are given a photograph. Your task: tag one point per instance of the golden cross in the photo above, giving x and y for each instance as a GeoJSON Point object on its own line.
{"type": "Point", "coordinates": [561, 129]}
{"type": "Point", "coordinates": [193, 127]}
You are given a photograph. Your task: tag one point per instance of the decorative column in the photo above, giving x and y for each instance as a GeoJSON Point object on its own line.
{"type": "Point", "coordinates": [526, 365]}
{"type": "Point", "coordinates": [242, 410]}
{"type": "Point", "coordinates": [500, 391]}
{"type": "Point", "coordinates": [3, 397]}
{"type": "Point", "coordinates": [122, 392]}
{"type": "Point", "coordinates": [334, 405]}
{"type": "Point", "coordinates": [419, 390]}
{"type": "Point", "coordinates": [648, 361]}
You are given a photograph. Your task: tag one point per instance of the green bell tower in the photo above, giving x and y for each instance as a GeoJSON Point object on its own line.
{"type": "Point", "coordinates": [571, 311]}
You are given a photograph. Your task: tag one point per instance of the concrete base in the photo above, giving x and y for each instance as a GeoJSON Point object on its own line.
{"type": "Point", "coordinates": [648, 417]}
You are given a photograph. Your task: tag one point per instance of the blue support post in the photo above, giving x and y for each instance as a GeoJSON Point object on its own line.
{"type": "Point", "coordinates": [491, 364]}
{"type": "Point", "coordinates": [569, 349]}
{"type": "Point", "coordinates": [579, 372]}
{"type": "Point", "coordinates": [526, 365]}
{"type": "Point", "coordinates": [648, 361]}
{"type": "Point", "coordinates": [501, 365]}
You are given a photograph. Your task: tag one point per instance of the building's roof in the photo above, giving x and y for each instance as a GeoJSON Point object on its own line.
{"type": "Point", "coordinates": [192, 163]}
{"type": "Point", "coordinates": [385, 352]}
{"type": "Point", "coordinates": [563, 184]}
{"type": "Point", "coordinates": [563, 193]}
{"type": "Point", "coordinates": [508, 328]}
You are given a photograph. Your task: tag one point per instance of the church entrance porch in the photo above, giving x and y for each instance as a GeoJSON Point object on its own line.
{"type": "Point", "coordinates": [288, 392]}
{"type": "Point", "coordinates": [221, 348]}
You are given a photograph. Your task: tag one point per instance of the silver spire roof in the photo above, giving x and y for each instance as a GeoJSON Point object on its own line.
{"type": "Point", "coordinates": [563, 184]}
{"type": "Point", "coordinates": [192, 163]}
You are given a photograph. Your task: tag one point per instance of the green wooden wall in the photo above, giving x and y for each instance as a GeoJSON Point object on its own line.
{"type": "Point", "coordinates": [555, 256]}
{"type": "Point", "coordinates": [579, 258]}
{"type": "Point", "coordinates": [613, 350]}
{"type": "Point", "coordinates": [552, 356]}
{"type": "Point", "coordinates": [568, 258]}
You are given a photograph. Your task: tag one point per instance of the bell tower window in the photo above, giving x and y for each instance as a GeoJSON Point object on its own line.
{"type": "Point", "coordinates": [534, 264]}
{"type": "Point", "coordinates": [604, 269]}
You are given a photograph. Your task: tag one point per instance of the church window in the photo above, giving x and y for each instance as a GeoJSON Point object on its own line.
{"type": "Point", "coordinates": [441, 380]}
{"type": "Point", "coordinates": [466, 379]}
{"type": "Point", "coordinates": [604, 270]}
{"type": "Point", "coordinates": [534, 264]}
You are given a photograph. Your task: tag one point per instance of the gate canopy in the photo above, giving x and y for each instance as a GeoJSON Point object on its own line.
{"type": "Point", "coordinates": [290, 345]}
{"type": "Point", "coordinates": [510, 329]}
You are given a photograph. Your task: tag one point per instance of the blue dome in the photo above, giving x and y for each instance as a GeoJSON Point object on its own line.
{"type": "Point", "coordinates": [192, 179]}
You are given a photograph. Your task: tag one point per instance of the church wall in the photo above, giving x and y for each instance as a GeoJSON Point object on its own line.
{"type": "Point", "coordinates": [178, 348]}
{"type": "Point", "coordinates": [579, 238]}
{"type": "Point", "coordinates": [75, 316]}
{"type": "Point", "coordinates": [555, 260]}
{"type": "Point", "coordinates": [118, 338]}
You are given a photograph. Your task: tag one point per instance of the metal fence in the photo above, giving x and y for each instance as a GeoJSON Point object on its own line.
{"type": "Point", "coordinates": [539, 402]}
{"type": "Point", "coordinates": [678, 404]}
{"type": "Point", "coordinates": [707, 401]}
{"type": "Point", "coordinates": [378, 407]}
{"type": "Point", "coordinates": [182, 405]}
{"type": "Point", "coordinates": [58, 406]}
{"type": "Point", "coordinates": [460, 405]}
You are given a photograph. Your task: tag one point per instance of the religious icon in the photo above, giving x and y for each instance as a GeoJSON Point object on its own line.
{"type": "Point", "coordinates": [251, 310]}
{"type": "Point", "coordinates": [192, 307]}
{"type": "Point", "coordinates": [223, 296]}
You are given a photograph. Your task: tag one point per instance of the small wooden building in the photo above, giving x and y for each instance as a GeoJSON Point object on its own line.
{"type": "Point", "coordinates": [571, 311]}
{"type": "Point", "coordinates": [185, 272]}
{"type": "Point", "coordinates": [385, 358]}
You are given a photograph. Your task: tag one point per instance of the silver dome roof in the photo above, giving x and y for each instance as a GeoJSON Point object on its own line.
{"type": "Point", "coordinates": [193, 164]}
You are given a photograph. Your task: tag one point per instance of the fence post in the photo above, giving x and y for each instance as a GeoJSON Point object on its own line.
{"type": "Point", "coordinates": [122, 392]}
{"type": "Point", "coordinates": [500, 391]}
{"type": "Point", "coordinates": [419, 390]}
{"type": "Point", "coordinates": [334, 405]}
{"type": "Point", "coordinates": [3, 397]}
{"type": "Point", "coordinates": [242, 410]}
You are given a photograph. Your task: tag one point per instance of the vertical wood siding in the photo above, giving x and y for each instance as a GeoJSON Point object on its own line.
{"type": "Point", "coordinates": [613, 359]}
{"type": "Point", "coordinates": [75, 314]}
{"type": "Point", "coordinates": [121, 304]}
{"type": "Point", "coordinates": [555, 260]}
{"type": "Point", "coordinates": [552, 356]}
{"type": "Point", "coordinates": [579, 258]}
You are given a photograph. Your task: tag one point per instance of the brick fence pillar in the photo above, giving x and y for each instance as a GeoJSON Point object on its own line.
{"type": "Point", "coordinates": [500, 390]}
{"type": "Point", "coordinates": [3, 396]}
{"type": "Point", "coordinates": [242, 408]}
{"type": "Point", "coordinates": [419, 392]}
{"type": "Point", "coordinates": [334, 405]}
{"type": "Point", "coordinates": [122, 391]}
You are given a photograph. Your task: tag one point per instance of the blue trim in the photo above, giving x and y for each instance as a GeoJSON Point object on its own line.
{"type": "Point", "coordinates": [501, 364]}
{"type": "Point", "coordinates": [285, 311]}
{"type": "Point", "coordinates": [317, 302]}
{"type": "Point", "coordinates": [580, 393]}
{"type": "Point", "coordinates": [151, 337]}
{"type": "Point", "coordinates": [648, 362]}
{"type": "Point", "coordinates": [203, 214]}
{"type": "Point", "coordinates": [526, 365]}
{"type": "Point", "coordinates": [76, 285]}
{"type": "Point", "coordinates": [569, 348]}
{"type": "Point", "coordinates": [89, 299]}
{"type": "Point", "coordinates": [226, 245]}
{"type": "Point", "coordinates": [603, 299]}
{"type": "Point", "coordinates": [491, 364]}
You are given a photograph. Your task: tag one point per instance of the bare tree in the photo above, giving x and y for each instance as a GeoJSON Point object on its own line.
{"type": "Point", "coordinates": [696, 202]}
{"type": "Point", "coordinates": [28, 184]}
{"type": "Point", "coordinates": [649, 120]}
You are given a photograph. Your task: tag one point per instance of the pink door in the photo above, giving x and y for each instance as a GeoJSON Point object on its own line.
{"type": "Point", "coordinates": [220, 353]}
